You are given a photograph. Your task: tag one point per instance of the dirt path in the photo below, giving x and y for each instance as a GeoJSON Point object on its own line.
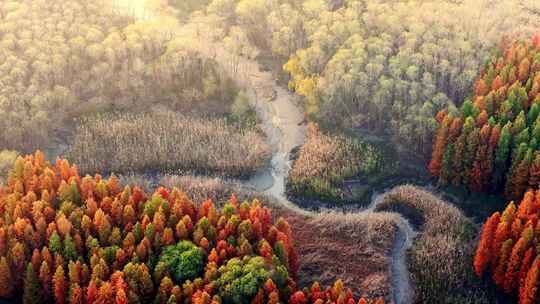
{"type": "Point", "coordinates": [281, 122]}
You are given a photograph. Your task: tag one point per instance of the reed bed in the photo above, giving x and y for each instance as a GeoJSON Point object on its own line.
{"type": "Point", "coordinates": [201, 188]}
{"type": "Point", "coordinates": [167, 142]}
{"type": "Point", "coordinates": [324, 162]}
{"type": "Point", "coordinates": [441, 258]}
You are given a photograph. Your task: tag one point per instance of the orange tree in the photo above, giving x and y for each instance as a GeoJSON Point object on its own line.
{"type": "Point", "coordinates": [508, 248]}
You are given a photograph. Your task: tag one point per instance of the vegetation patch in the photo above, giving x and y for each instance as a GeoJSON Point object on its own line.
{"type": "Point", "coordinates": [167, 142]}
{"type": "Point", "coordinates": [325, 162]}
{"type": "Point", "coordinates": [442, 254]}
{"type": "Point", "coordinates": [356, 246]}
{"type": "Point", "coordinates": [7, 159]}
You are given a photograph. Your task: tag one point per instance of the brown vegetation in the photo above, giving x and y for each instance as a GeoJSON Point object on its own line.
{"type": "Point", "coordinates": [201, 188]}
{"type": "Point", "coordinates": [353, 247]}
{"type": "Point", "coordinates": [166, 141]}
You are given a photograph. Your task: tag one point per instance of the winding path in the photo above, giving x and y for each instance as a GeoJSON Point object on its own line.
{"type": "Point", "coordinates": [280, 116]}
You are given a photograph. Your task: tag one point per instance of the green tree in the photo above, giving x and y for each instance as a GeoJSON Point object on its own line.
{"type": "Point", "coordinates": [55, 244]}
{"type": "Point", "coordinates": [32, 291]}
{"type": "Point", "coordinates": [184, 260]}
{"type": "Point", "coordinates": [70, 252]}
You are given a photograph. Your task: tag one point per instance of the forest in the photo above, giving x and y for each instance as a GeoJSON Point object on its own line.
{"type": "Point", "coordinates": [269, 151]}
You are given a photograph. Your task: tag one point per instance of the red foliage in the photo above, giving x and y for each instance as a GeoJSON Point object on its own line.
{"type": "Point", "coordinates": [509, 244]}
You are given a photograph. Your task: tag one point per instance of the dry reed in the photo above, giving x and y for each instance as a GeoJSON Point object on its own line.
{"type": "Point", "coordinates": [167, 142]}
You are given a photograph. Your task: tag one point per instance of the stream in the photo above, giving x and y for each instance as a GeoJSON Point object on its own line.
{"type": "Point", "coordinates": [281, 119]}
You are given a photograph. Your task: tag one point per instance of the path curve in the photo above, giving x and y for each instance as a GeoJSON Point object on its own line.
{"type": "Point", "coordinates": [281, 119]}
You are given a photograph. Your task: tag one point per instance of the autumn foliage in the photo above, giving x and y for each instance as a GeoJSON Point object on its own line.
{"type": "Point", "coordinates": [493, 142]}
{"type": "Point", "coordinates": [71, 239]}
{"type": "Point", "coordinates": [508, 249]}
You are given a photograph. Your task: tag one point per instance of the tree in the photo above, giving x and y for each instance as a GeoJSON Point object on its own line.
{"type": "Point", "coordinates": [45, 278]}
{"type": "Point", "coordinates": [528, 291]}
{"type": "Point", "coordinates": [105, 294]}
{"type": "Point", "coordinates": [75, 294]}
{"type": "Point", "coordinates": [516, 257]}
{"type": "Point", "coordinates": [32, 291]}
{"type": "Point", "coordinates": [70, 252]}
{"type": "Point", "coordinates": [483, 252]}
{"type": "Point", "coordinates": [6, 279]}
{"type": "Point", "coordinates": [59, 285]}
{"type": "Point", "coordinates": [504, 255]}
{"type": "Point", "coordinates": [439, 148]}
{"type": "Point", "coordinates": [534, 171]}
{"type": "Point", "coordinates": [55, 243]}
{"type": "Point", "coordinates": [524, 67]}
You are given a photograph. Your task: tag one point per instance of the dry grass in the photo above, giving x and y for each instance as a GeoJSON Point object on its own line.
{"type": "Point", "coordinates": [198, 188]}
{"type": "Point", "coordinates": [325, 162]}
{"type": "Point", "coordinates": [441, 258]}
{"type": "Point", "coordinates": [203, 188]}
{"type": "Point", "coordinates": [353, 247]}
{"type": "Point", "coordinates": [167, 141]}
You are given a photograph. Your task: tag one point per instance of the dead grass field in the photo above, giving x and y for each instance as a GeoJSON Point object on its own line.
{"type": "Point", "coordinates": [353, 247]}
{"type": "Point", "coordinates": [166, 141]}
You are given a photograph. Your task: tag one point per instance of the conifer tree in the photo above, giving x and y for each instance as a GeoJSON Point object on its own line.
{"type": "Point", "coordinates": [6, 279]}
{"type": "Point", "coordinates": [59, 284]}
{"type": "Point", "coordinates": [32, 291]}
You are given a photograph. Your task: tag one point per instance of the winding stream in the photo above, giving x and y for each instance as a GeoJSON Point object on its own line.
{"type": "Point", "coordinates": [281, 121]}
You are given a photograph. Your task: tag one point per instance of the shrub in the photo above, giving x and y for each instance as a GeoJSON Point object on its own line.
{"type": "Point", "coordinates": [167, 141]}
{"type": "Point", "coordinates": [325, 162]}
{"type": "Point", "coordinates": [441, 257]}
{"type": "Point", "coordinates": [242, 112]}
{"type": "Point", "coordinates": [88, 234]}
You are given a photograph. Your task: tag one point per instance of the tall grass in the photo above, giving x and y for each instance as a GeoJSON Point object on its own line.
{"type": "Point", "coordinates": [441, 258]}
{"type": "Point", "coordinates": [166, 142]}
{"type": "Point", "coordinates": [325, 162]}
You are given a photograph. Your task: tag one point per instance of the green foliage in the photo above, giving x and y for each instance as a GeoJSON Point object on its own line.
{"type": "Point", "coordinates": [32, 291]}
{"type": "Point", "coordinates": [55, 244]}
{"type": "Point", "coordinates": [242, 112]}
{"type": "Point", "coordinates": [185, 261]}
{"type": "Point", "coordinates": [69, 252]}
{"type": "Point", "coordinates": [240, 279]}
